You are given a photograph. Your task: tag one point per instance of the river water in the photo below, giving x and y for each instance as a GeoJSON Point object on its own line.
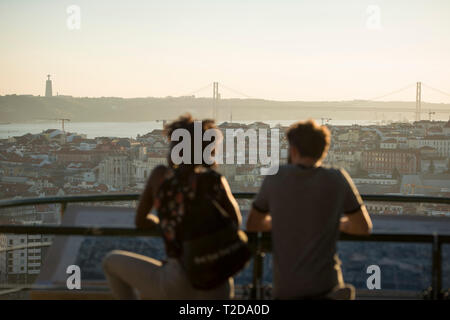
{"type": "Point", "coordinates": [119, 129]}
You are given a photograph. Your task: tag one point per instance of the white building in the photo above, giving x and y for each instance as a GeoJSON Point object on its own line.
{"type": "Point", "coordinates": [24, 255]}
{"type": "Point", "coordinates": [383, 208]}
{"type": "Point", "coordinates": [438, 165]}
{"type": "Point", "coordinates": [143, 168]}
{"type": "Point", "coordinates": [372, 181]}
{"type": "Point", "coordinates": [345, 158]}
{"type": "Point", "coordinates": [440, 143]}
{"type": "Point", "coordinates": [85, 146]}
{"type": "Point", "coordinates": [388, 144]}
{"type": "Point", "coordinates": [116, 172]}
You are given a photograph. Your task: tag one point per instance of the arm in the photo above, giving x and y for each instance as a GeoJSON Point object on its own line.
{"type": "Point", "coordinates": [143, 219]}
{"type": "Point", "coordinates": [259, 218]}
{"type": "Point", "coordinates": [356, 219]}
{"type": "Point", "coordinates": [229, 203]}
{"type": "Point", "coordinates": [258, 221]}
{"type": "Point", "coordinates": [356, 223]}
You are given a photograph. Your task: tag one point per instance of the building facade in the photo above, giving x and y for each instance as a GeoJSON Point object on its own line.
{"type": "Point", "coordinates": [116, 172]}
{"type": "Point", "coordinates": [386, 161]}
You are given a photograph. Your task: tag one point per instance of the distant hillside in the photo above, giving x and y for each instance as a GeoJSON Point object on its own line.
{"type": "Point", "coordinates": [24, 108]}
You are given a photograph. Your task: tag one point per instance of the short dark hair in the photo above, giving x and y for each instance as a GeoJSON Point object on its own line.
{"type": "Point", "coordinates": [310, 139]}
{"type": "Point", "coordinates": [186, 122]}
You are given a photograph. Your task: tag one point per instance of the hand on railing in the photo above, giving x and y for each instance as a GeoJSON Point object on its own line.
{"type": "Point", "coordinates": [150, 222]}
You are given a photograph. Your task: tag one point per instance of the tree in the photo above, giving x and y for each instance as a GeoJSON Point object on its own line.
{"type": "Point", "coordinates": [396, 174]}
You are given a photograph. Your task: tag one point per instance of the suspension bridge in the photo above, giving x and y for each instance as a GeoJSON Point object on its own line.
{"type": "Point", "coordinates": [355, 105]}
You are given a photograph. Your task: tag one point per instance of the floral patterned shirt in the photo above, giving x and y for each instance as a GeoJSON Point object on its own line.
{"type": "Point", "coordinates": [179, 203]}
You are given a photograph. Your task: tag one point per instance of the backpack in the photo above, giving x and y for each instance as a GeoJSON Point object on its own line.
{"type": "Point", "coordinates": [210, 246]}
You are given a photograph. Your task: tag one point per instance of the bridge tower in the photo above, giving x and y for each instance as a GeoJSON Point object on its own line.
{"type": "Point", "coordinates": [216, 98]}
{"type": "Point", "coordinates": [418, 100]}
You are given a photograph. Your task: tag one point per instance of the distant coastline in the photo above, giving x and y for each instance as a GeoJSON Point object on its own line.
{"type": "Point", "coordinates": [27, 108]}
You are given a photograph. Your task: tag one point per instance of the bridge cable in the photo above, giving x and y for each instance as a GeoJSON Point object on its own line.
{"type": "Point", "coordinates": [437, 90]}
{"type": "Point", "coordinates": [392, 92]}
{"type": "Point", "coordinates": [235, 91]}
{"type": "Point", "coordinates": [359, 101]}
{"type": "Point", "coordinates": [198, 90]}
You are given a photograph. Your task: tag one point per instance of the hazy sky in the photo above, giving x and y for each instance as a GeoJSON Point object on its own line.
{"type": "Point", "coordinates": [284, 50]}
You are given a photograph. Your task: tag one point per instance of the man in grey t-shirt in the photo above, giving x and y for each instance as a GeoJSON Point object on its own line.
{"type": "Point", "coordinates": [305, 206]}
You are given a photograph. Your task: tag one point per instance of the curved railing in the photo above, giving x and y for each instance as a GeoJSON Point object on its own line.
{"type": "Point", "coordinates": [238, 195]}
{"type": "Point", "coordinates": [259, 242]}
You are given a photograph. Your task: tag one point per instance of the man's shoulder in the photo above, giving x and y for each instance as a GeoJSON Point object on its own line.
{"type": "Point", "coordinates": [328, 170]}
{"type": "Point", "coordinates": [332, 169]}
{"type": "Point", "coordinates": [330, 174]}
{"type": "Point", "coordinates": [283, 170]}
{"type": "Point", "coordinates": [335, 173]}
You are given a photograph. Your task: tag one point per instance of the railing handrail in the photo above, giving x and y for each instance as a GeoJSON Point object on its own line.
{"type": "Point", "coordinates": [134, 232]}
{"type": "Point", "coordinates": [260, 242]}
{"type": "Point", "coordinates": [113, 197]}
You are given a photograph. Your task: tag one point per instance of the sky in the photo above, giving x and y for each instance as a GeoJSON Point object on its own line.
{"type": "Point", "coordinates": [282, 50]}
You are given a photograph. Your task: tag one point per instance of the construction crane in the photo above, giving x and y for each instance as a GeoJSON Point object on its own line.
{"type": "Point", "coordinates": [430, 113]}
{"type": "Point", "coordinates": [59, 119]}
{"type": "Point", "coordinates": [62, 123]}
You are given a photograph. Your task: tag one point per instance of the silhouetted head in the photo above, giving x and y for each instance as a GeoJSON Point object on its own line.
{"type": "Point", "coordinates": [188, 123]}
{"type": "Point", "coordinates": [308, 140]}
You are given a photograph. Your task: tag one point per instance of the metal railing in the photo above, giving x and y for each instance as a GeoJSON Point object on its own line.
{"type": "Point", "coordinates": [260, 243]}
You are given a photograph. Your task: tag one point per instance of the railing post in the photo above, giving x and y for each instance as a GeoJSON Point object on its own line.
{"type": "Point", "coordinates": [63, 208]}
{"type": "Point", "coordinates": [436, 277]}
{"type": "Point", "coordinates": [258, 263]}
